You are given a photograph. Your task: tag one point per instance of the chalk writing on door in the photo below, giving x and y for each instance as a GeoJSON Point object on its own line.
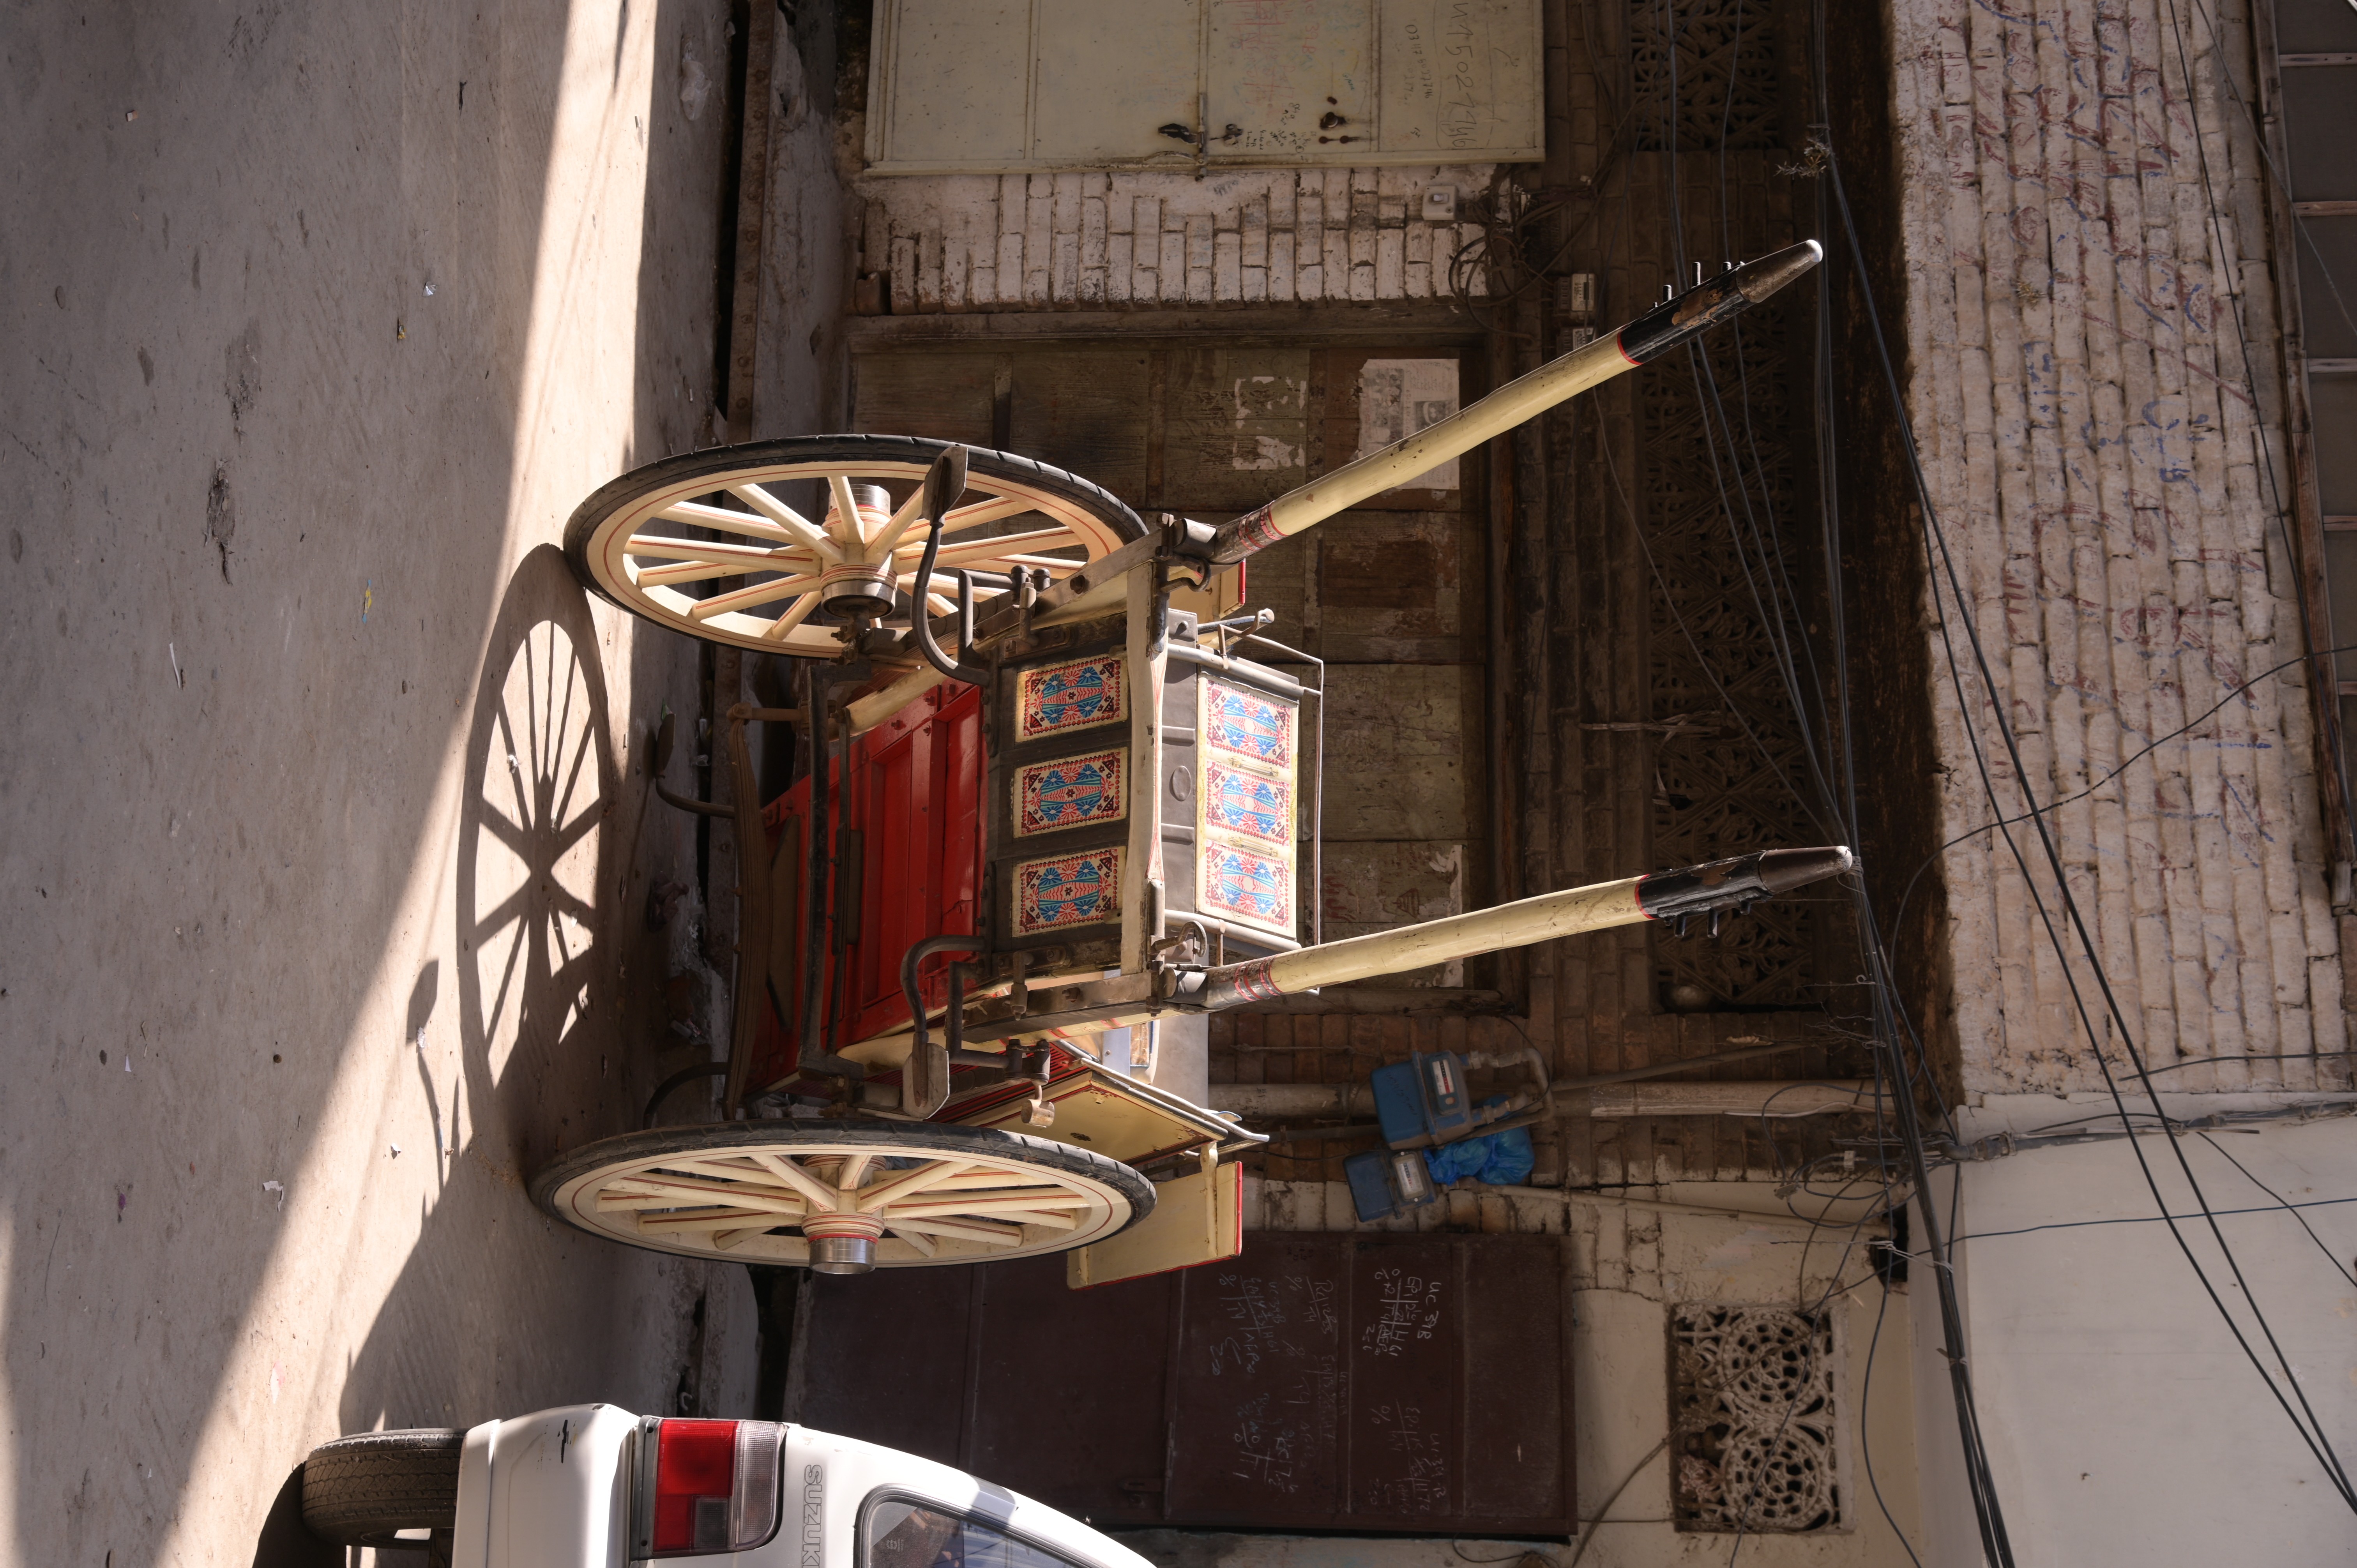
{"type": "Point", "coordinates": [1420, 1482]}
{"type": "Point", "coordinates": [1407, 1308]}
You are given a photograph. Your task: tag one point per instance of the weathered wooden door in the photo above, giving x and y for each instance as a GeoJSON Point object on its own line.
{"type": "Point", "coordinates": [1332, 1382]}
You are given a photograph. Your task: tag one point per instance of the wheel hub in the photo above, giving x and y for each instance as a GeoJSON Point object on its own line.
{"type": "Point", "coordinates": [857, 590]}
{"type": "Point", "coordinates": [842, 1255]}
{"type": "Point", "coordinates": [842, 1244]}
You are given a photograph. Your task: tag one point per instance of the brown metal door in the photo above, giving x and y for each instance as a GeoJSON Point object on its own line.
{"type": "Point", "coordinates": [1366, 1383]}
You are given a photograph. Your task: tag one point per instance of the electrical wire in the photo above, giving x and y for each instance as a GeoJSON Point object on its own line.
{"type": "Point", "coordinates": [2255, 1057]}
{"type": "Point", "coordinates": [2288, 1207]}
{"type": "Point", "coordinates": [1940, 562]}
{"type": "Point", "coordinates": [1895, 1078]}
{"type": "Point", "coordinates": [1456, 1550]}
{"type": "Point", "coordinates": [1899, 1071]}
{"type": "Point", "coordinates": [1894, 1074]}
{"type": "Point", "coordinates": [2313, 1433]}
{"type": "Point", "coordinates": [2148, 1219]}
{"type": "Point", "coordinates": [2145, 751]}
{"type": "Point", "coordinates": [1588, 1535]}
{"type": "Point", "coordinates": [1866, 1405]}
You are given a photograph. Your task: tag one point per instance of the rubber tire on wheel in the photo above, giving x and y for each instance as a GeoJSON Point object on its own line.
{"type": "Point", "coordinates": [903, 457]}
{"type": "Point", "coordinates": [558, 1188]}
{"type": "Point", "coordinates": [360, 1490]}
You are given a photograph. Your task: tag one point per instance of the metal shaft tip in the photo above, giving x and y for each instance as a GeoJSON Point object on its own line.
{"type": "Point", "coordinates": [1783, 869]}
{"type": "Point", "coordinates": [1758, 279]}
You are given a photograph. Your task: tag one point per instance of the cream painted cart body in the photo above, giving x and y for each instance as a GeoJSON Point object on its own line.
{"type": "Point", "coordinates": [1047, 808]}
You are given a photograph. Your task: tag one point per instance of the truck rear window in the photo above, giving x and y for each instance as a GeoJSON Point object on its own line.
{"type": "Point", "coordinates": [905, 1535]}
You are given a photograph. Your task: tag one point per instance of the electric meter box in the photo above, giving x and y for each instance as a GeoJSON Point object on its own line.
{"type": "Point", "coordinates": [1422, 1101]}
{"type": "Point", "coordinates": [1387, 1182]}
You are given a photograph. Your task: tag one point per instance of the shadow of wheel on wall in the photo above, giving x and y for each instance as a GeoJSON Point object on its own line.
{"type": "Point", "coordinates": [540, 778]}
{"type": "Point", "coordinates": [535, 964]}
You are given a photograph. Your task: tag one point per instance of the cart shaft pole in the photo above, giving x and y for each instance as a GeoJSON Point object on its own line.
{"type": "Point", "coordinates": [1649, 337]}
{"type": "Point", "coordinates": [1709, 889]}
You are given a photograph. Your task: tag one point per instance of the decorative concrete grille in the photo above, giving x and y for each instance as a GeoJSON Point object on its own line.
{"type": "Point", "coordinates": [1723, 49]}
{"type": "Point", "coordinates": [1753, 1435]}
{"type": "Point", "coordinates": [1728, 762]}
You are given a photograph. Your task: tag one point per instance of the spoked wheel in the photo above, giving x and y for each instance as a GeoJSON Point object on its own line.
{"type": "Point", "coordinates": [843, 1197]}
{"type": "Point", "coordinates": [822, 530]}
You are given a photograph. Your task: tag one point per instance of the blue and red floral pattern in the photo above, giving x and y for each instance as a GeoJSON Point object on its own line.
{"type": "Point", "coordinates": [1246, 884]}
{"type": "Point", "coordinates": [1079, 694]}
{"type": "Point", "coordinates": [1248, 803]}
{"type": "Point", "coordinates": [1071, 792]}
{"type": "Point", "coordinates": [1064, 890]}
{"type": "Point", "coordinates": [1243, 721]}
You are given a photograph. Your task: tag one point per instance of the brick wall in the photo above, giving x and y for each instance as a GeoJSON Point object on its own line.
{"type": "Point", "coordinates": [2086, 256]}
{"type": "Point", "coordinates": [1090, 240]}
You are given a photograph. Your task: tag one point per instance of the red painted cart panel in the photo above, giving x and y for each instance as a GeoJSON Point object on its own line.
{"type": "Point", "coordinates": [914, 798]}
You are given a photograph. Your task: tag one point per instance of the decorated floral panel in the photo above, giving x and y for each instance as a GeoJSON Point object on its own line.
{"type": "Point", "coordinates": [1071, 792]}
{"type": "Point", "coordinates": [1251, 804]}
{"type": "Point", "coordinates": [1245, 883]}
{"type": "Point", "coordinates": [1065, 890]}
{"type": "Point", "coordinates": [1248, 723]}
{"type": "Point", "coordinates": [1077, 694]}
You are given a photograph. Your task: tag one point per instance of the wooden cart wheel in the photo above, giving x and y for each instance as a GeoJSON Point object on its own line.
{"type": "Point", "coordinates": [822, 528]}
{"type": "Point", "coordinates": [843, 1197]}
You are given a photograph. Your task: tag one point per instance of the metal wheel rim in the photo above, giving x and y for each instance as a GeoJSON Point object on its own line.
{"type": "Point", "coordinates": [774, 615]}
{"type": "Point", "coordinates": [738, 1202]}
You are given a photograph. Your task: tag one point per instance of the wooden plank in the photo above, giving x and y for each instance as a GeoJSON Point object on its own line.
{"type": "Point", "coordinates": [1196, 1220]}
{"type": "Point", "coordinates": [947, 397]}
{"type": "Point", "coordinates": [1398, 744]}
{"type": "Point", "coordinates": [1236, 425]}
{"type": "Point", "coordinates": [1078, 409]}
{"type": "Point", "coordinates": [1329, 1382]}
{"type": "Point", "coordinates": [1391, 586]}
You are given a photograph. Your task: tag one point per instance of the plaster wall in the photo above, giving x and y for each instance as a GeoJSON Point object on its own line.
{"type": "Point", "coordinates": [2124, 1425]}
{"type": "Point", "coordinates": [2093, 368]}
{"type": "Point", "coordinates": [1050, 242]}
{"type": "Point", "coordinates": [324, 873]}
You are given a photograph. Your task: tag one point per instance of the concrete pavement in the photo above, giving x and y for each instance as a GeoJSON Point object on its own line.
{"type": "Point", "coordinates": [322, 858]}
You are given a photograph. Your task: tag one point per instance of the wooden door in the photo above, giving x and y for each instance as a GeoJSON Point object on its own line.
{"type": "Point", "coordinates": [1330, 1382]}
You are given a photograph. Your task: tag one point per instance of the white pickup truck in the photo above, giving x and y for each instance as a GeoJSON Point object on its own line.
{"type": "Point", "coordinates": [595, 1487]}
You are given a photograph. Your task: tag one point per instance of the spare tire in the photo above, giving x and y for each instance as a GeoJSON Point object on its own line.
{"type": "Point", "coordinates": [364, 1489]}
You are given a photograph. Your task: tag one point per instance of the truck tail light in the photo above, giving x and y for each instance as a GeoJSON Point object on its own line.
{"type": "Point", "coordinates": [705, 1486]}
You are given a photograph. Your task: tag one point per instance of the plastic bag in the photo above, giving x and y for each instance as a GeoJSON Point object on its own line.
{"type": "Point", "coordinates": [1497, 1159]}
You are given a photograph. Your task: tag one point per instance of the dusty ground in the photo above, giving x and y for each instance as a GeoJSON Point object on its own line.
{"type": "Point", "coordinates": [323, 861]}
